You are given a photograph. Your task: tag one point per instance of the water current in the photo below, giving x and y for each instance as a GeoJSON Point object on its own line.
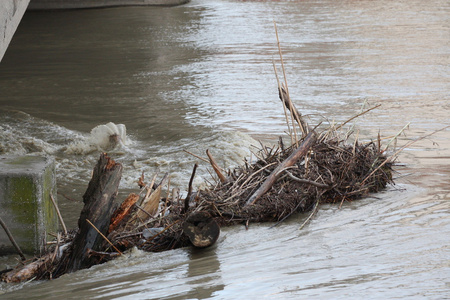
{"type": "Point", "coordinates": [200, 76]}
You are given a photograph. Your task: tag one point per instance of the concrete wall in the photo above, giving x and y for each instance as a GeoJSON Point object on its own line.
{"type": "Point", "coordinates": [27, 184]}
{"type": "Point", "coordinates": [11, 12]}
{"type": "Point", "coordinates": [73, 4]}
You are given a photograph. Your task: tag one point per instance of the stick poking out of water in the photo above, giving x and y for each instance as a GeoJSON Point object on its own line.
{"type": "Point", "coordinates": [59, 214]}
{"type": "Point", "coordinates": [11, 238]}
{"type": "Point", "coordinates": [103, 236]}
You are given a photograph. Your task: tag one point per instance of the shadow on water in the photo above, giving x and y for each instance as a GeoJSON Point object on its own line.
{"type": "Point", "coordinates": [119, 65]}
{"type": "Point", "coordinates": [204, 273]}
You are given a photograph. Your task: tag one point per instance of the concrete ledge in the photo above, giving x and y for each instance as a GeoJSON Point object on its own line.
{"type": "Point", "coordinates": [77, 4]}
{"type": "Point", "coordinates": [26, 183]}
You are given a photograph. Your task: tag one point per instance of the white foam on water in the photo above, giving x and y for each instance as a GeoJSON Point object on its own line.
{"type": "Point", "coordinates": [22, 134]}
{"type": "Point", "coordinates": [229, 149]}
{"type": "Point", "coordinates": [76, 153]}
{"type": "Point", "coordinates": [104, 137]}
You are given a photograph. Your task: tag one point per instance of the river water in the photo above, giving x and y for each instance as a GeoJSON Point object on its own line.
{"type": "Point", "coordinates": [200, 76]}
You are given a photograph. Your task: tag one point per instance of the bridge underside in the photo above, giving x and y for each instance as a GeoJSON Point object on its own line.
{"type": "Point", "coordinates": [77, 4]}
{"type": "Point", "coordinates": [11, 11]}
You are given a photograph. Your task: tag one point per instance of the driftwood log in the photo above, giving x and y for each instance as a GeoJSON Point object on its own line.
{"type": "Point", "coordinates": [26, 272]}
{"type": "Point", "coordinates": [98, 208]}
{"type": "Point", "coordinates": [38, 268]}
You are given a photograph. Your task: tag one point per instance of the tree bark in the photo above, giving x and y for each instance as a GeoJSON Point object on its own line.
{"type": "Point", "coordinates": [98, 208]}
{"type": "Point", "coordinates": [122, 211]}
{"type": "Point", "coordinates": [290, 161]}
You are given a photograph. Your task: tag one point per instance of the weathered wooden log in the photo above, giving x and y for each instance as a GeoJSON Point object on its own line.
{"type": "Point", "coordinates": [27, 271]}
{"type": "Point", "coordinates": [201, 229]}
{"type": "Point", "coordinates": [290, 161]}
{"type": "Point", "coordinates": [98, 208]}
{"type": "Point", "coordinates": [37, 268]}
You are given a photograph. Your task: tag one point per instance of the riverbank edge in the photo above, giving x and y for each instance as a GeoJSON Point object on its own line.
{"type": "Point", "coordinates": [79, 4]}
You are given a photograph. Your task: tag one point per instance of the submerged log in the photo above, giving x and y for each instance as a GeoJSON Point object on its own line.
{"type": "Point", "coordinates": [98, 208]}
{"type": "Point", "coordinates": [202, 230]}
{"type": "Point", "coordinates": [39, 268]}
{"type": "Point", "coordinates": [26, 272]}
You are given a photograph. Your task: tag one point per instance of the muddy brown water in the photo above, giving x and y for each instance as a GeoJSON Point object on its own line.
{"type": "Point", "coordinates": [199, 77]}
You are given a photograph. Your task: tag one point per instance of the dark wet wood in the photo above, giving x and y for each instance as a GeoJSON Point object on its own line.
{"type": "Point", "coordinates": [202, 230]}
{"type": "Point", "coordinates": [98, 208]}
{"type": "Point", "coordinates": [190, 192]}
{"type": "Point", "coordinates": [11, 238]}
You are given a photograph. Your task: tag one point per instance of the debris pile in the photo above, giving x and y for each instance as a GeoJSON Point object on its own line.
{"type": "Point", "coordinates": [316, 167]}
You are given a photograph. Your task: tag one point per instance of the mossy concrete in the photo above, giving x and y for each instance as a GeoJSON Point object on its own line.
{"type": "Point", "coordinates": [26, 185]}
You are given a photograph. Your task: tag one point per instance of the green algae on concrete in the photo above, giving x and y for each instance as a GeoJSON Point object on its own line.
{"type": "Point", "coordinates": [26, 183]}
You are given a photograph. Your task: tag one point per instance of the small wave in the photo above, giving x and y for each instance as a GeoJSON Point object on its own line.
{"type": "Point", "coordinates": [229, 148]}
{"type": "Point", "coordinates": [76, 152]}
{"type": "Point", "coordinates": [14, 142]}
{"type": "Point", "coordinates": [21, 134]}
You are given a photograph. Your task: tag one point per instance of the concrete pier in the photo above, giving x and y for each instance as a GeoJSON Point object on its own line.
{"type": "Point", "coordinates": [26, 183]}
{"type": "Point", "coordinates": [11, 12]}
